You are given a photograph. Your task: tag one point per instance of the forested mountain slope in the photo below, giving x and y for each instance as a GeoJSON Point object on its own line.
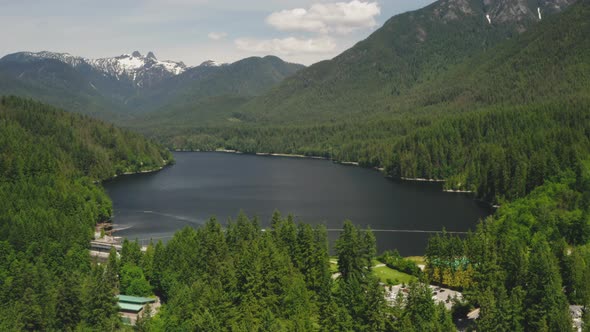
{"type": "Point", "coordinates": [206, 94]}
{"type": "Point", "coordinates": [119, 88]}
{"type": "Point", "coordinates": [412, 48]}
{"type": "Point", "coordinates": [550, 62]}
{"type": "Point", "coordinates": [49, 162]}
{"type": "Point", "coordinates": [56, 83]}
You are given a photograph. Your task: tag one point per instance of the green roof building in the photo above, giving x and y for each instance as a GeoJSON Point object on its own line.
{"type": "Point", "coordinates": [129, 307]}
{"type": "Point", "coordinates": [135, 299]}
{"type": "Point", "coordinates": [133, 304]}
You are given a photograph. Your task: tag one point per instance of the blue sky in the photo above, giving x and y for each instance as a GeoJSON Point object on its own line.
{"type": "Point", "coordinates": [303, 31]}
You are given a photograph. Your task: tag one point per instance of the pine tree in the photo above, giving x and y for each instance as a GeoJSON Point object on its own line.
{"type": "Point", "coordinates": [99, 302]}
{"type": "Point", "coordinates": [68, 309]}
{"type": "Point", "coordinates": [545, 302]}
{"type": "Point", "coordinates": [351, 262]}
{"type": "Point", "coordinates": [112, 269]}
{"type": "Point", "coordinates": [369, 248]}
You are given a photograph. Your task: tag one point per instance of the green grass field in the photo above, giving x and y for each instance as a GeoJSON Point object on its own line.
{"type": "Point", "coordinates": [386, 274]}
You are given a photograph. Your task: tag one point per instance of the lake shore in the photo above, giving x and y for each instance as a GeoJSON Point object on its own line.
{"type": "Point", "coordinates": [288, 155]}
{"type": "Point", "coordinates": [458, 191]}
{"type": "Point", "coordinates": [145, 171]}
{"type": "Point", "coordinates": [346, 163]}
{"type": "Point", "coordinates": [422, 180]}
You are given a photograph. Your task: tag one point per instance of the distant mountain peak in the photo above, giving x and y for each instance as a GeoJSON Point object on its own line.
{"type": "Point", "coordinates": [449, 10]}
{"type": "Point", "coordinates": [498, 11]}
{"type": "Point", "coordinates": [141, 71]}
{"type": "Point", "coordinates": [210, 63]}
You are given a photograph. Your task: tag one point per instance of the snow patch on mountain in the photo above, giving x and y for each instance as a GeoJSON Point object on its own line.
{"type": "Point", "coordinates": [138, 68]}
{"type": "Point", "coordinates": [141, 70]}
{"type": "Point", "coordinates": [74, 61]}
{"type": "Point", "coordinates": [130, 63]}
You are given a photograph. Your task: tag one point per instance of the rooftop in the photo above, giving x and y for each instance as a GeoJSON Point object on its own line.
{"type": "Point", "coordinates": [130, 307]}
{"type": "Point", "coordinates": [135, 299]}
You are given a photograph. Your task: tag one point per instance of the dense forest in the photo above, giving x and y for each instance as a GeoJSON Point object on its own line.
{"type": "Point", "coordinates": [510, 123]}
{"type": "Point", "coordinates": [526, 263]}
{"type": "Point", "coordinates": [240, 278]}
{"type": "Point", "coordinates": [50, 162]}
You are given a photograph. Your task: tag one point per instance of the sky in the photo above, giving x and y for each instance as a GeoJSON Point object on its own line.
{"type": "Point", "coordinates": [193, 31]}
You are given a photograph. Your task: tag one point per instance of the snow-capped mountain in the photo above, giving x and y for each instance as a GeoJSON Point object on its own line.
{"type": "Point", "coordinates": [141, 70]}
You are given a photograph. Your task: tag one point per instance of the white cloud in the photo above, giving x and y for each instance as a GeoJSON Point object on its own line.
{"type": "Point", "coordinates": [287, 46]}
{"type": "Point", "coordinates": [339, 17]}
{"type": "Point", "coordinates": [217, 35]}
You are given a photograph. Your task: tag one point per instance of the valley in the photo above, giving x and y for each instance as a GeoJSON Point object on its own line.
{"type": "Point", "coordinates": [481, 103]}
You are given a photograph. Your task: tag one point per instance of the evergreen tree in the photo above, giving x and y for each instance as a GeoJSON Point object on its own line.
{"type": "Point", "coordinates": [545, 302]}
{"type": "Point", "coordinates": [351, 262]}
{"type": "Point", "coordinates": [99, 302]}
{"type": "Point", "coordinates": [112, 269]}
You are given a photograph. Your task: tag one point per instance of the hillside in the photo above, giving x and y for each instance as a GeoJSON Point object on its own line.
{"type": "Point", "coordinates": [549, 62]}
{"type": "Point", "coordinates": [50, 202]}
{"type": "Point", "coordinates": [56, 83]}
{"type": "Point", "coordinates": [118, 89]}
{"type": "Point", "coordinates": [379, 73]}
{"type": "Point", "coordinates": [192, 95]}
{"type": "Point", "coordinates": [83, 146]}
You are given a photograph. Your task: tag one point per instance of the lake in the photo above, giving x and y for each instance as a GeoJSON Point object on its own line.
{"type": "Point", "coordinates": [203, 184]}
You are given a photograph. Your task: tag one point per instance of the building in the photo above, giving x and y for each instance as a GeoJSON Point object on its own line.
{"type": "Point", "coordinates": [130, 307]}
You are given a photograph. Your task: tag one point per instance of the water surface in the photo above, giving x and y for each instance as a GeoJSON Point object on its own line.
{"type": "Point", "coordinates": [202, 185]}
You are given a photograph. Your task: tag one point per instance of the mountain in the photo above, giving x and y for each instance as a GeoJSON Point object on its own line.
{"type": "Point", "coordinates": [117, 88]}
{"type": "Point", "coordinates": [186, 95]}
{"type": "Point", "coordinates": [57, 83]}
{"type": "Point", "coordinates": [410, 49]}
{"type": "Point", "coordinates": [97, 87]}
{"type": "Point", "coordinates": [134, 68]}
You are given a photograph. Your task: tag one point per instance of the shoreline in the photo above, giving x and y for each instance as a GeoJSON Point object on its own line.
{"type": "Point", "coordinates": [144, 171]}
{"type": "Point", "coordinates": [422, 180]}
{"type": "Point", "coordinates": [345, 163]}
{"type": "Point", "coordinates": [287, 155]}
{"type": "Point", "coordinates": [458, 191]}
{"type": "Point", "coordinates": [153, 170]}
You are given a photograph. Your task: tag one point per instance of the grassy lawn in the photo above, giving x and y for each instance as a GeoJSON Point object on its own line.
{"type": "Point", "coordinates": [384, 273]}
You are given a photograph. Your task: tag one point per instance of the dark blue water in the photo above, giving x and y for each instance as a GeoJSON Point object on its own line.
{"type": "Point", "coordinates": [202, 185]}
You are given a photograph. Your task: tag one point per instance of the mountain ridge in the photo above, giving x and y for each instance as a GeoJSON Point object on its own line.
{"type": "Point", "coordinates": [408, 50]}
{"type": "Point", "coordinates": [134, 67]}
{"type": "Point", "coordinates": [116, 88]}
